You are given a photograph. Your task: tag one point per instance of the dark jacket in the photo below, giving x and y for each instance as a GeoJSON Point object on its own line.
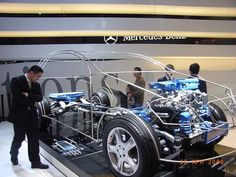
{"type": "Point", "coordinates": [23, 108]}
{"type": "Point", "coordinates": [164, 78]}
{"type": "Point", "coordinates": [202, 84]}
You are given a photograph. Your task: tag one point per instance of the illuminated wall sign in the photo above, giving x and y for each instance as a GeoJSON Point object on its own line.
{"type": "Point", "coordinates": [151, 38]}
{"type": "Point", "coordinates": [115, 39]}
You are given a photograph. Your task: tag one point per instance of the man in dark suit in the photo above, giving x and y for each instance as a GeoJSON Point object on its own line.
{"type": "Point", "coordinates": [194, 70]}
{"type": "Point", "coordinates": [26, 92]}
{"type": "Point", "coordinates": [169, 73]}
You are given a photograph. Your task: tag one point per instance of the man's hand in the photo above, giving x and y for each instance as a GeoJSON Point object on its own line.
{"type": "Point", "coordinates": [26, 94]}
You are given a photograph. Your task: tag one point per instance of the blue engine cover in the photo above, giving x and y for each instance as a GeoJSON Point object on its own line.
{"type": "Point", "coordinates": [67, 96]}
{"type": "Point", "coordinates": [176, 84]}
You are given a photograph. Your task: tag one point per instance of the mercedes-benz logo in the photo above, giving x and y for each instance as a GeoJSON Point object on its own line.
{"type": "Point", "coordinates": [110, 39]}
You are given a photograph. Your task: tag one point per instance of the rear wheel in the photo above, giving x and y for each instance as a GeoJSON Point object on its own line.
{"type": "Point", "coordinates": [128, 148]}
{"type": "Point", "coordinates": [101, 98]}
{"type": "Point", "coordinates": [43, 108]}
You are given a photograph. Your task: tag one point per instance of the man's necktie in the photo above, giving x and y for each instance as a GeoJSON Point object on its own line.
{"type": "Point", "coordinates": [29, 83]}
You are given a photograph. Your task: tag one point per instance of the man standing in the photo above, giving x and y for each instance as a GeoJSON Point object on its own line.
{"type": "Point", "coordinates": [194, 70]}
{"type": "Point", "coordinates": [26, 92]}
{"type": "Point", "coordinates": [168, 74]}
{"type": "Point", "coordinates": [138, 93]}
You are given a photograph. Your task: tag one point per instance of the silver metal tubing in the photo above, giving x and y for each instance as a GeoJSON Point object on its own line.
{"type": "Point", "coordinates": [89, 64]}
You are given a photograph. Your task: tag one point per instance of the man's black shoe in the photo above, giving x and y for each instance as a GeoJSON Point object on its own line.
{"type": "Point", "coordinates": [14, 161]}
{"type": "Point", "coordinates": [39, 165]}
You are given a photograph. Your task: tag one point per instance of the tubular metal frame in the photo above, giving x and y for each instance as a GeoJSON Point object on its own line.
{"type": "Point", "coordinates": [89, 64]}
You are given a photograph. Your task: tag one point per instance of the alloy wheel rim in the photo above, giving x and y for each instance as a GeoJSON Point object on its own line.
{"type": "Point", "coordinates": [123, 151]}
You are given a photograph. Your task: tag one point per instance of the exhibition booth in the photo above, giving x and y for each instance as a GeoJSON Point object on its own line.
{"type": "Point", "coordinates": [128, 89]}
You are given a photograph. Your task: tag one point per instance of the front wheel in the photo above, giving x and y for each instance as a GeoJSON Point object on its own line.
{"type": "Point", "coordinates": [217, 114]}
{"type": "Point", "coordinates": [128, 148]}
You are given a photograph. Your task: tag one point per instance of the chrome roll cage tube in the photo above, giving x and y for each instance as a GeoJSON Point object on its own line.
{"type": "Point", "coordinates": [119, 110]}
{"type": "Point", "coordinates": [228, 90]}
{"type": "Point", "coordinates": [43, 62]}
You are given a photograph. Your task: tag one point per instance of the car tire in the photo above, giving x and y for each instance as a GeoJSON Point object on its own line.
{"type": "Point", "coordinates": [217, 114]}
{"type": "Point", "coordinates": [101, 97]}
{"type": "Point", "coordinates": [43, 108]}
{"type": "Point", "coordinates": [141, 160]}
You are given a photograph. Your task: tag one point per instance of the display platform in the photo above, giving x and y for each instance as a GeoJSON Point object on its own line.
{"type": "Point", "coordinates": [79, 155]}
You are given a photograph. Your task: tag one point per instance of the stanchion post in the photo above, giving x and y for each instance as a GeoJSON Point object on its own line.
{"type": "Point", "coordinates": [2, 107]}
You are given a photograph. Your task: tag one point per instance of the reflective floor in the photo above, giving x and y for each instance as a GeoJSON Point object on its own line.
{"type": "Point", "coordinates": [24, 167]}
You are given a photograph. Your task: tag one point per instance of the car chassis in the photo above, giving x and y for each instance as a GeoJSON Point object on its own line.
{"type": "Point", "coordinates": [177, 117]}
